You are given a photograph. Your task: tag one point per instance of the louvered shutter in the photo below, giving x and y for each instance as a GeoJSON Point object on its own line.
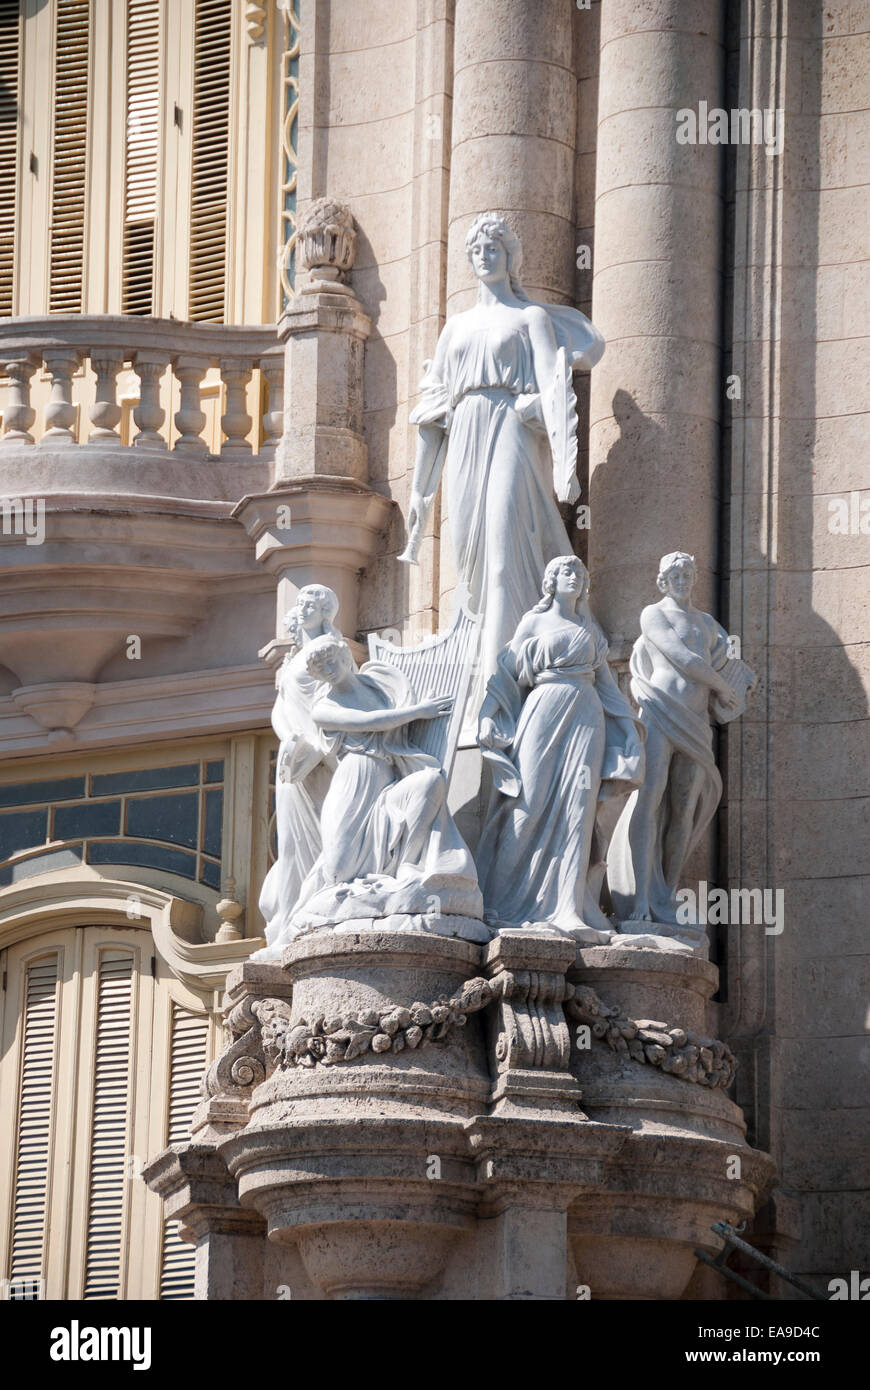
{"type": "Point", "coordinates": [9, 56]}
{"type": "Point", "coordinates": [109, 1149]}
{"type": "Point", "coordinates": [142, 138]}
{"type": "Point", "coordinates": [188, 1055]}
{"type": "Point", "coordinates": [210, 171]}
{"type": "Point", "coordinates": [69, 157]}
{"type": "Point", "coordinates": [35, 1112]}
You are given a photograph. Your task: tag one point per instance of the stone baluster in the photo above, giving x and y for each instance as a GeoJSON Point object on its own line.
{"type": "Point", "coordinates": [190, 418]}
{"type": "Point", "coordinates": [236, 373]}
{"type": "Point", "coordinates": [149, 413]}
{"type": "Point", "coordinates": [105, 412]}
{"type": "Point", "coordinates": [273, 419]}
{"type": "Point", "coordinates": [19, 414]}
{"type": "Point", "coordinates": [60, 413]}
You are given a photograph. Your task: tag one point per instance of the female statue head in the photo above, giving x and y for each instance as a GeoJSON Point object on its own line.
{"type": "Point", "coordinates": [676, 569]}
{"type": "Point", "coordinates": [488, 236]}
{"type": "Point", "coordinates": [565, 574]}
{"type": "Point", "coordinates": [312, 614]}
{"type": "Point", "coordinates": [328, 658]}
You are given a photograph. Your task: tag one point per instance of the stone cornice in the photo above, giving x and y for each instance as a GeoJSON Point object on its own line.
{"type": "Point", "coordinates": [158, 707]}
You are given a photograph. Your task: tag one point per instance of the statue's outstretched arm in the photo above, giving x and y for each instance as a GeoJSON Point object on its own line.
{"type": "Point", "coordinates": [335, 718]}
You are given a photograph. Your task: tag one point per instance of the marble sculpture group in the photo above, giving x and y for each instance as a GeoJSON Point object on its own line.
{"type": "Point", "coordinates": [594, 806]}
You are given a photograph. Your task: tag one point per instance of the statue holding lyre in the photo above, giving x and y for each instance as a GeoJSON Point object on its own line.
{"type": "Point", "coordinates": [389, 845]}
{"type": "Point", "coordinates": [304, 765]}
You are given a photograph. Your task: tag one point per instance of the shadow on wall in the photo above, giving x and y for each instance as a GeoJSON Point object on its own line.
{"type": "Point", "coordinates": [798, 812]}
{"type": "Point", "coordinates": [386, 588]}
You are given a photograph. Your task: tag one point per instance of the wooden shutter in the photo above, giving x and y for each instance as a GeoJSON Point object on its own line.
{"type": "Point", "coordinates": [110, 1125]}
{"type": "Point", "coordinates": [210, 155]}
{"type": "Point", "coordinates": [188, 1055]}
{"type": "Point", "coordinates": [142, 141]}
{"type": "Point", "coordinates": [69, 157]}
{"type": "Point", "coordinates": [35, 1110]}
{"type": "Point", "coordinates": [9, 57]}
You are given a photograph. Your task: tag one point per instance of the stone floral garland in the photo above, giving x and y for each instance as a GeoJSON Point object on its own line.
{"type": "Point", "coordinates": [345, 1037]}
{"type": "Point", "coordinates": [705, 1061]}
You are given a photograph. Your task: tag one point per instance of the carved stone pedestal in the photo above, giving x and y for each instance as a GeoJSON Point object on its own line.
{"type": "Point", "coordinates": [407, 1115]}
{"type": "Point", "coordinates": [686, 1163]}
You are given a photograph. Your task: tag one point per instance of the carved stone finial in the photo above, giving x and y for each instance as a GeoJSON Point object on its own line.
{"type": "Point", "coordinates": [327, 241]}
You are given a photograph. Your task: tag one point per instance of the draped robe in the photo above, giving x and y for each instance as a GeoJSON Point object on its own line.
{"type": "Point", "coordinates": [561, 752]}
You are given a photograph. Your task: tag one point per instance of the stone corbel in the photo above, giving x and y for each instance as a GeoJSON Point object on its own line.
{"type": "Point", "coordinates": [532, 1042]}
{"type": "Point", "coordinates": [316, 530]}
{"type": "Point", "coordinates": [256, 997]}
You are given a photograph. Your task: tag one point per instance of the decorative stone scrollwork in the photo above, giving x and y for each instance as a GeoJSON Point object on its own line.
{"type": "Point", "coordinates": [242, 1064]}
{"type": "Point", "coordinates": [532, 1027]}
{"type": "Point", "coordinates": [348, 1036]}
{"type": "Point", "coordinates": [681, 1053]}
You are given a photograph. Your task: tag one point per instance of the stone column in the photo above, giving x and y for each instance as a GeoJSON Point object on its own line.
{"type": "Point", "coordinates": [654, 439]}
{"type": "Point", "coordinates": [514, 123]}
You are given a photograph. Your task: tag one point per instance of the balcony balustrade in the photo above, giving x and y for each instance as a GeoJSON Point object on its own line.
{"type": "Point", "coordinates": [103, 345]}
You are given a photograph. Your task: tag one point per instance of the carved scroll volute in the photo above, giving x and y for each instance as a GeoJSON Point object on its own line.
{"type": "Point", "coordinates": [533, 1031]}
{"type": "Point", "coordinates": [242, 1064]}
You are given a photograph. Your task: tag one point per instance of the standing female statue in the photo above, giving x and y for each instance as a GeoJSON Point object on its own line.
{"type": "Point", "coordinates": [560, 738]}
{"type": "Point", "coordinates": [498, 406]}
{"type": "Point", "coordinates": [304, 764]}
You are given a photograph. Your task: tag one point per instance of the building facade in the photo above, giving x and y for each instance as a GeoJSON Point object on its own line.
{"type": "Point", "coordinates": [192, 431]}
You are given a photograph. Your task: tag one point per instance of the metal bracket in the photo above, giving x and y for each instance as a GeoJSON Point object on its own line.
{"type": "Point", "coordinates": [733, 1242]}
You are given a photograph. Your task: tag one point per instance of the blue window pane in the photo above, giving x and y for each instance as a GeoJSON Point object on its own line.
{"type": "Point", "coordinates": [210, 874]}
{"type": "Point", "coordinates": [214, 816]}
{"type": "Point", "coordinates": [173, 861]}
{"type": "Point", "coordinates": [66, 858]}
{"type": "Point", "coordinates": [25, 793]}
{"type": "Point", "coordinates": [146, 779]}
{"type": "Point", "coordinates": [214, 772]}
{"type": "Point", "coordinates": [173, 818]}
{"type": "Point", "coordinates": [90, 818]}
{"type": "Point", "coordinates": [22, 830]}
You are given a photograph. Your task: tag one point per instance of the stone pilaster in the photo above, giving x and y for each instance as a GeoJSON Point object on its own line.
{"type": "Point", "coordinates": [320, 521]}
